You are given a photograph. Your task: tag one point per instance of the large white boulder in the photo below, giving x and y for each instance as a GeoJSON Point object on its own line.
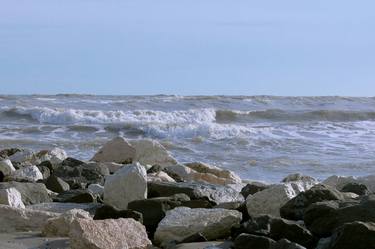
{"type": "Point", "coordinates": [339, 182]}
{"type": "Point", "coordinates": [11, 197]}
{"type": "Point", "coordinates": [117, 150]}
{"type": "Point", "coordinates": [183, 222]}
{"type": "Point", "coordinates": [22, 219]}
{"type": "Point", "coordinates": [27, 173]}
{"type": "Point", "coordinates": [6, 167]}
{"type": "Point", "coordinates": [126, 185]}
{"type": "Point", "coordinates": [55, 156]}
{"type": "Point", "coordinates": [60, 226]}
{"type": "Point", "coordinates": [108, 234]}
{"type": "Point", "coordinates": [270, 200]}
{"type": "Point", "coordinates": [151, 152]}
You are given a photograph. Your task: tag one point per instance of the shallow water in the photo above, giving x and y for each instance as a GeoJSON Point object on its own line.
{"type": "Point", "coordinates": [259, 137]}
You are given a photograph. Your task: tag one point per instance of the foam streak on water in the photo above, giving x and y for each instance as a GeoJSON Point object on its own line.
{"type": "Point", "coordinates": [259, 137]}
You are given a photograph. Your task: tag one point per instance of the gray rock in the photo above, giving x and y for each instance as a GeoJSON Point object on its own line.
{"type": "Point", "coordinates": [252, 188]}
{"type": "Point", "coordinates": [56, 184]}
{"type": "Point", "coordinates": [247, 241]}
{"type": "Point", "coordinates": [61, 207]}
{"type": "Point", "coordinates": [357, 188]}
{"type": "Point", "coordinates": [75, 196]}
{"type": "Point", "coordinates": [108, 212]}
{"type": "Point", "coordinates": [31, 193]}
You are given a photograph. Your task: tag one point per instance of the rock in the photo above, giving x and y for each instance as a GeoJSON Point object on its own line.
{"type": "Point", "coordinates": [307, 180]}
{"type": "Point", "coordinates": [56, 184]}
{"type": "Point", "coordinates": [108, 234]}
{"type": "Point", "coordinates": [108, 212]}
{"type": "Point", "coordinates": [27, 173]}
{"type": "Point", "coordinates": [6, 168]}
{"type": "Point", "coordinates": [60, 207]}
{"type": "Point", "coordinates": [357, 188]}
{"type": "Point", "coordinates": [252, 188]}
{"type": "Point", "coordinates": [183, 222]}
{"type": "Point", "coordinates": [126, 185]}
{"type": "Point", "coordinates": [31, 193]}
{"type": "Point", "coordinates": [247, 241]}
{"type": "Point", "coordinates": [340, 181]}
{"type": "Point", "coordinates": [55, 156]}
{"type": "Point", "coordinates": [71, 162]}
{"type": "Point", "coordinates": [154, 169]}
{"type": "Point", "coordinates": [206, 245]}
{"type": "Point", "coordinates": [214, 193]}
{"type": "Point", "coordinates": [11, 197]}
{"type": "Point", "coordinates": [113, 167]}
{"type": "Point", "coordinates": [295, 208]}
{"type": "Point", "coordinates": [159, 177]}
{"type": "Point", "coordinates": [324, 217]}
{"type": "Point", "coordinates": [270, 200]}
{"type": "Point", "coordinates": [96, 189]}
{"type": "Point", "coordinates": [117, 150]}
{"type": "Point", "coordinates": [75, 196]}
{"type": "Point", "coordinates": [23, 156]}
{"type": "Point", "coordinates": [94, 172]}
{"type": "Point", "coordinates": [358, 235]}
{"type": "Point", "coordinates": [229, 205]}
{"type": "Point", "coordinates": [154, 209]}
{"type": "Point", "coordinates": [46, 172]}
{"type": "Point", "coordinates": [286, 244]}
{"type": "Point", "coordinates": [8, 152]}
{"type": "Point", "coordinates": [21, 219]}
{"type": "Point", "coordinates": [151, 152]}
{"type": "Point", "coordinates": [60, 226]}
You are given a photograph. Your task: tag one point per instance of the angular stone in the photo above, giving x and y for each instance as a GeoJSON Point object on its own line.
{"type": "Point", "coordinates": [108, 234]}
{"type": "Point", "coordinates": [357, 188]}
{"type": "Point", "coordinates": [295, 208]}
{"type": "Point", "coordinates": [126, 185]}
{"type": "Point", "coordinates": [71, 162]}
{"type": "Point", "coordinates": [108, 212]}
{"type": "Point", "coordinates": [46, 172]}
{"type": "Point", "coordinates": [75, 196]}
{"type": "Point", "coordinates": [117, 150]}
{"type": "Point", "coordinates": [55, 156]}
{"type": "Point", "coordinates": [23, 156]}
{"type": "Point", "coordinates": [206, 245]}
{"type": "Point", "coordinates": [60, 226]}
{"type": "Point", "coordinates": [252, 188]}
{"type": "Point", "coordinates": [159, 177]}
{"type": "Point", "coordinates": [11, 197]}
{"type": "Point", "coordinates": [27, 173]}
{"type": "Point", "coordinates": [96, 189]}
{"type": "Point", "coordinates": [340, 181]}
{"type": "Point", "coordinates": [31, 193]}
{"type": "Point", "coordinates": [215, 193]}
{"type": "Point", "coordinates": [56, 184]}
{"type": "Point", "coordinates": [247, 241]}
{"type": "Point", "coordinates": [286, 244]}
{"type": "Point", "coordinates": [6, 167]}
{"type": "Point", "coordinates": [61, 207]}
{"type": "Point", "coordinates": [22, 219]}
{"type": "Point", "coordinates": [183, 222]}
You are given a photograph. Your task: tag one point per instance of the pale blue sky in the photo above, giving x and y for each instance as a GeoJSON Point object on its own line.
{"type": "Point", "coordinates": [187, 47]}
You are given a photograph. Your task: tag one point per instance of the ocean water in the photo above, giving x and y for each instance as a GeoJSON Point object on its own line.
{"type": "Point", "coordinates": [258, 137]}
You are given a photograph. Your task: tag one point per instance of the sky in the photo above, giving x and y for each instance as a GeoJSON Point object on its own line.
{"type": "Point", "coordinates": [188, 47]}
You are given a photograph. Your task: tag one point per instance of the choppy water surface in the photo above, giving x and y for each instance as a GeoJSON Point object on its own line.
{"type": "Point", "coordinates": [259, 137]}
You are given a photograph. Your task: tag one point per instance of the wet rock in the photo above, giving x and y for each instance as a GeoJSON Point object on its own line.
{"type": "Point", "coordinates": [60, 226]}
{"type": "Point", "coordinates": [22, 219]}
{"type": "Point", "coordinates": [108, 234]}
{"type": "Point", "coordinates": [183, 222]}
{"type": "Point", "coordinates": [56, 184]}
{"type": "Point", "coordinates": [246, 241]}
{"type": "Point", "coordinates": [206, 245]}
{"type": "Point", "coordinates": [27, 173]}
{"type": "Point", "coordinates": [295, 208]}
{"type": "Point", "coordinates": [11, 197]}
{"type": "Point", "coordinates": [108, 212]}
{"type": "Point", "coordinates": [117, 150]}
{"type": "Point", "coordinates": [215, 193]}
{"type": "Point", "coordinates": [252, 188]}
{"type": "Point", "coordinates": [126, 185]}
{"type": "Point", "coordinates": [357, 188]}
{"type": "Point", "coordinates": [31, 193]}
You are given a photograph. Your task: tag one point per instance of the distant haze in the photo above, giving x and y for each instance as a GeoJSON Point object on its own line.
{"type": "Point", "coordinates": [188, 47]}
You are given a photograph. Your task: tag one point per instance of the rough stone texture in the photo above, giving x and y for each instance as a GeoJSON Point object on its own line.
{"type": "Point", "coordinates": [23, 156]}
{"type": "Point", "coordinates": [71, 162]}
{"type": "Point", "coordinates": [324, 217]}
{"type": "Point", "coordinates": [27, 173]}
{"type": "Point", "coordinates": [159, 177]}
{"type": "Point", "coordinates": [21, 219]}
{"type": "Point", "coordinates": [117, 150]}
{"type": "Point", "coordinates": [252, 188]}
{"type": "Point", "coordinates": [56, 184]}
{"type": "Point", "coordinates": [11, 197]}
{"type": "Point", "coordinates": [247, 241]}
{"type": "Point", "coordinates": [357, 188]}
{"type": "Point", "coordinates": [214, 193]}
{"type": "Point", "coordinates": [113, 167]}
{"type": "Point", "coordinates": [6, 167]}
{"type": "Point", "coordinates": [108, 234]}
{"type": "Point", "coordinates": [295, 208]}
{"type": "Point", "coordinates": [270, 200]}
{"type": "Point", "coordinates": [358, 235]}
{"type": "Point", "coordinates": [308, 180]}
{"type": "Point", "coordinates": [59, 207]}
{"type": "Point", "coordinates": [340, 181]}
{"type": "Point", "coordinates": [55, 156]}
{"type": "Point", "coordinates": [206, 245]}
{"type": "Point", "coordinates": [96, 189]}
{"type": "Point", "coordinates": [31, 193]}
{"type": "Point", "coordinates": [75, 196]}
{"type": "Point", "coordinates": [46, 172]}
{"type": "Point", "coordinates": [183, 222]}
{"type": "Point", "coordinates": [126, 185]}
{"type": "Point", "coordinates": [286, 244]}
{"type": "Point", "coordinates": [152, 152]}
{"type": "Point", "coordinates": [108, 212]}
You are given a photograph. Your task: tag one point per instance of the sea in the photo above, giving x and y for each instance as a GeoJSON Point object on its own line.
{"type": "Point", "coordinates": [261, 138]}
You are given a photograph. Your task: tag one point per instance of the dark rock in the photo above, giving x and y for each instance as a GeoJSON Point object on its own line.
{"type": "Point", "coordinates": [154, 209]}
{"type": "Point", "coordinates": [214, 193]}
{"type": "Point", "coordinates": [229, 205]}
{"type": "Point", "coordinates": [259, 225]}
{"type": "Point", "coordinates": [46, 172]}
{"type": "Point", "coordinates": [155, 169]}
{"type": "Point", "coordinates": [56, 184]}
{"type": "Point", "coordinates": [249, 241]}
{"type": "Point", "coordinates": [252, 188]}
{"type": "Point", "coordinates": [358, 235]}
{"type": "Point", "coordinates": [94, 172]}
{"type": "Point", "coordinates": [323, 218]}
{"type": "Point", "coordinates": [75, 196]}
{"type": "Point", "coordinates": [8, 152]}
{"type": "Point", "coordinates": [71, 162]}
{"type": "Point", "coordinates": [295, 208]}
{"type": "Point", "coordinates": [175, 176]}
{"type": "Point", "coordinates": [286, 244]}
{"type": "Point", "coordinates": [245, 214]}
{"type": "Point", "coordinates": [199, 203]}
{"type": "Point", "coordinates": [357, 188]}
{"type": "Point", "coordinates": [31, 193]}
{"type": "Point", "coordinates": [197, 237]}
{"type": "Point", "coordinates": [109, 212]}
{"type": "Point", "coordinates": [1, 176]}
{"type": "Point", "coordinates": [49, 165]}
